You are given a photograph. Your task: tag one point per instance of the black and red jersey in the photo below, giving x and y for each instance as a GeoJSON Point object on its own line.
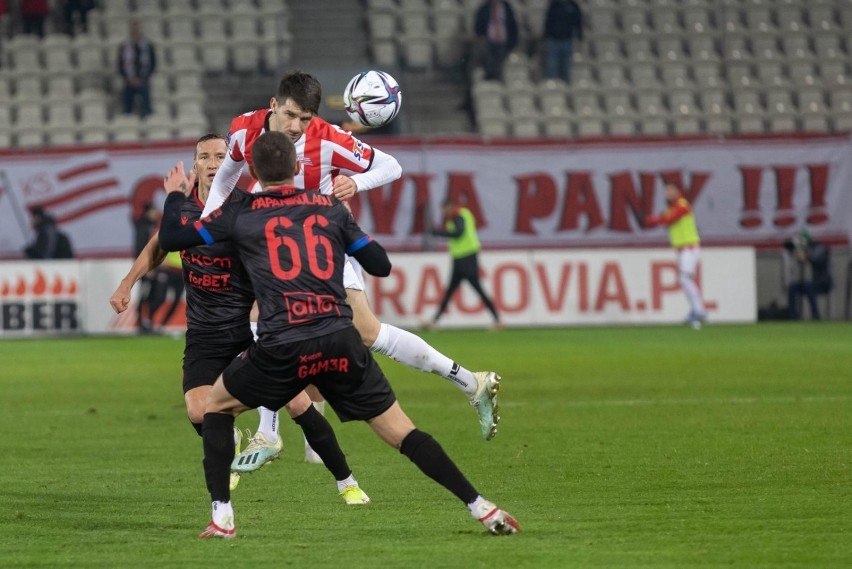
{"type": "Point", "coordinates": [292, 244]}
{"type": "Point", "coordinates": [219, 294]}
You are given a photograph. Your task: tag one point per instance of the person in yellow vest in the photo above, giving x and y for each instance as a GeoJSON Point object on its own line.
{"type": "Point", "coordinates": [463, 244]}
{"type": "Point", "coordinates": [683, 235]}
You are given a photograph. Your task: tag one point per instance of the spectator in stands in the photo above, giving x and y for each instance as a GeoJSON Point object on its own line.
{"type": "Point", "coordinates": [807, 273]}
{"type": "Point", "coordinates": [136, 62]}
{"type": "Point", "coordinates": [563, 24]}
{"type": "Point", "coordinates": [496, 34]}
{"type": "Point", "coordinates": [72, 7]}
{"type": "Point", "coordinates": [50, 242]}
{"type": "Point", "coordinates": [33, 15]}
{"type": "Point", "coordinates": [463, 243]}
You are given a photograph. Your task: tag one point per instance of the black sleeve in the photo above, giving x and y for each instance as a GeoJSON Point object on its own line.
{"type": "Point", "coordinates": [367, 252]}
{"type": "Point", "coordinates": [174, 235]}
{"type": "Point", "coordinates": [458, 222]}
{"type": "Point", "coordinates": [374, 259]}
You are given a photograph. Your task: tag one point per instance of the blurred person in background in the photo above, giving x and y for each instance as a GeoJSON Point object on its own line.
{"type": "Point", "coordinates": [563, 24]}
{"type": "Point", "coordinates": [72, 7]}
{"type": "Point", "coordinates": [463, 244]}
{"type": "Point", "coordinates": [683, 235]}
{"type": "Point", "coordinates": [167, 287]}
{"type": "Point", "coordinates": [806, 270]}
{"type": "Point", "coordinates": [50, 242]}
{"type": "Point", "coordinates": [144, 228]}
{"type": "Point", "coordinates": [136, 63]}
{"type": "Point", "coordinates": [33, 15]}
{"type": "Point", "coordinates": [496, 30]}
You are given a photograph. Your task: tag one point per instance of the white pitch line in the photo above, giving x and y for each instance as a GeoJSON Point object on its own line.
{"type": "Point", "coordinates": [505, 401]}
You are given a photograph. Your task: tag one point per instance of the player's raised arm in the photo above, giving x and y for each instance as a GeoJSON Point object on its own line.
{"type": "Point", "coordinates": [174, 235]}
{"type": "Point", "coordinates": [372, 256]}
{"type": "Point", "coordinates": [362, 166]}
{"type": "Point", "coordinates": [223, 184]}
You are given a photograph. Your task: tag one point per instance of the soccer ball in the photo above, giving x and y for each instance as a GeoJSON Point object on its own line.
{"type": "Point", "coordinates": [372, 98]}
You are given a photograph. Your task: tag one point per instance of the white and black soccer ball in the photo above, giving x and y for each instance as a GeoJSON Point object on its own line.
{"type": "Point", "coordinates": [372, 98]}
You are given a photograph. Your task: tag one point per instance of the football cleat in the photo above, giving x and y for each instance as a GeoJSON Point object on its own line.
{"type": "Point", "coordinates": [497, 521]}
{"type": "Point", "coordinates": [485, 402]}
{"type": "Point", "coordinates": [235, 481]}
{"type": "Point", "coordinates": [353, 496]}
{"type": "Point", "coordinates": [212, 530]}
{"type": "Point", "coordinates": [258, 452]}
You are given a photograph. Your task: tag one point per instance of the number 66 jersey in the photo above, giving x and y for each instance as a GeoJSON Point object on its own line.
{"type": "Point", "coordinates": [292, 244]}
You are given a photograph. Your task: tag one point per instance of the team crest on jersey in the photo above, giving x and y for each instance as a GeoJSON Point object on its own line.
{"type": "Point", "coordinates": [184, 220]}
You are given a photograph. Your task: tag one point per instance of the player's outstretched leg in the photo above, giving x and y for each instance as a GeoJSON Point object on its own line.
{"type": "Point", "coordinates": [321, 438]}
{"type": "Point", "coordinates": [412, 350]}
{"type": "Point", "coordinates": [311, 455]}
{"type": "Point", "coordinates": [264, 447]}
{"type": "Point", "coordinates": [395, 428]}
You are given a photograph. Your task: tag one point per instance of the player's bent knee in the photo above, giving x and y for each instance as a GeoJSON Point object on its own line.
{"type": "Point", "coordinates": [298, 405]}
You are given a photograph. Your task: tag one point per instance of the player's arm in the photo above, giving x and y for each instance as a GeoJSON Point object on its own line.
{"type": "Point", "coordinates": [384, 169]}
{"type": "Point", "coordinates": [174, 235]}
{"type": "Point", "coordinates": [372, 256]}
{"type": "Point", "coordinates": [149, 259]}
{"type": "Point", "coordinates": [670, 216]}
{"type": "Point", "coordinates": [363, 166]}
{"type": "Point", "coordinates": [223, 184]}
{"type": "Point", "coordinates": [457, 231]}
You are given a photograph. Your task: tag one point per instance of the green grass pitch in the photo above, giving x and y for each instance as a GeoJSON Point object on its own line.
{"type": "Point", "coordinates": [633, 446]}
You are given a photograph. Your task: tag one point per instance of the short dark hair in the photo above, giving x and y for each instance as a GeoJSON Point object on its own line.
{"type": "Point", "coordinates": [303, 89]}
{"type": "Point", "coordinates": [274, 157]}
{"type": "Point", "coordinates": [205, 138]}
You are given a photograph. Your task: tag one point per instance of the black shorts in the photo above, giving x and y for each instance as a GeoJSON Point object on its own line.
{"type": "Point", "coordinates": [338, 364]}
{"type": "Point", "coordinates": [208, 353]}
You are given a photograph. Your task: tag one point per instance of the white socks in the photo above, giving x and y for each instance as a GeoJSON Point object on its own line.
{"type": "Point", "coordinates": [253, 326]}
{"type": "Point", "coordinates": [342, 484]}
{"type": "Point", "coordinates": [480, 507]}
{"type": "Point", "coordinates": [411, 350]}
{"type": "Point", "coordinates": [268, 425]}
{"type": "Point", "coordinates": [693, 295]}
{"type": "Point", "coordinates": [223, 515]}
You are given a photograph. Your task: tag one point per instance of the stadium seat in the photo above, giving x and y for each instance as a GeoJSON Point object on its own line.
{"type": "Point", "coordinates": [557, 127]}
{"type": "Point", "coordinates": [93, 112]}
{"type": "Point", "coordinates": [183, 56]}
{"type": "Point", "coordinates": [29, 137]}
{"type": "Point", "coordinates": [88, 53]}
{"type": "Point", "coordinates": [611, 76]}
{"type": "Point", "coordinates": [526, 128]}
{"type": "Point", "coordinates": [731, 21]}
{"type": "Point", "coordinates": [796, 46]}
{"type": "Point", "coordinates": [61, 136]}
{"type": "Point", "coordinates": [94, 134]}
{"type": "Point", "coordinates": [384, 53]}
{"type": "Point", "coordinates": [676, 75]}
{"type": "Point", "coordinates": [618, 104]}
{"type": "Point", "coordinates": [707, 75]}
{"type": "Point", "coordinates": [644, 76]}
{"type": "Point", "coordinates": [758, 18]}
{"type": "Point", "coordinates": [764, 46]}
{"type": "Point", "coordinates": [158, 126]}
{"type": "Point", "coordinates": [828, 46]}
{"type": "Point", "coordinates": [28, 86]}
{"type": "Point", "coordinates": [634, 21]}
{"type": "Point", "coordinates": [56, 49]}
{"type": "Point", "coordinates": [622, 125]}
{"type": "Point", "coordinates": [811, 101]}
{"type": "Point", "coordinates": [23, 53]}
{"type": "Point", "coordinates": [789, 18]}
{"type": "Point", "coordinates": [842, 122]}
{"type": "Point", "coordinates": [696, 20]}
{"type": "Point", "coordinates": [382, 24]}
{"type": "Point", "coordinates": [494, 128]}
{"type": "Point", "coordinates": [414, 23]}
{"type": "Point", "coordinates": [771, 74]}
{"type": "Point", "coordinates": [740, 76]}
{"type": "Point", "coordinates": [523, 106]}
{"type": "Point", "coordinates": [590, 126]}
{"type": "Point", "coordinates": [607, 48]}
{"type": "Point", "coordinates": [654, 126]}
{"type": "Point", "coordinates": [417, 52]}
{"type": "Point", "coordinates": [670, 47]}
{"type": "Point", "coordinates": [586, 103]}
{"type": "Point", "coordinates": [214, 56]}
{"type": "Point", "coordinates": [639, 48]}
{"type": "Point", "coordinates": [552, 94]}
{"type": "Point", "coordinates": [602, 21]}
{"type": "Point", "coordinates": [181, 28]}
{"type": "Point", "coordinates": [29, 113]}
{"type": "Point", "coordinates": [60, 86]}
{"type": "Point", "coordinates": [835, 73]}
{"type": "Point", "coordinates": [841, 100]}
{"type": "Point", "coordinates": [802, 73]}
{"type": "Point", "coordinates": [211, 27]}
{"type": "Point", "coordinates": [821, 18]}
{"type": "Point", "coordinates": [125, 128]}
{"type": "Point", "coordinates": [734, 47]}
{"type": "Point", "coordinates": [666, 20]}
{"type": "Point", "coordinates": [702, 47]}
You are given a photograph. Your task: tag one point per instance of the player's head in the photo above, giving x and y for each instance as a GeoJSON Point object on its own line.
{"type": "Point", "coordinates": [295, 103]}
{"type": "Point", "coordinates": [210, 152]}
{"type": "Point", "coordinates": [673, 192]}
{"type": "Point", "coordinates": [274, 159]}
{"type": "Point", "coordinates": [448, 206]}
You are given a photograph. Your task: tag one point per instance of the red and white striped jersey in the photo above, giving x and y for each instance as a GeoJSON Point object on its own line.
{"type": "Point", "coordinates": [324, 150]}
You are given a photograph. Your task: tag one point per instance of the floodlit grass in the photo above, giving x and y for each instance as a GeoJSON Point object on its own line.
{"type": "Point", "coordinates": [655, 447]}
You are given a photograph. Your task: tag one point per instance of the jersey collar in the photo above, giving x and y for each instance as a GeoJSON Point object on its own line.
{"type": "Point", "coordinates": [285, 190]}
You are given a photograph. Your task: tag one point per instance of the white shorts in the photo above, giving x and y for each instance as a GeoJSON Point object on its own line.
{"type": "Point", "coordinates": [687, 259]}
{"type": "Point", "coordinates": [352, 277]}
